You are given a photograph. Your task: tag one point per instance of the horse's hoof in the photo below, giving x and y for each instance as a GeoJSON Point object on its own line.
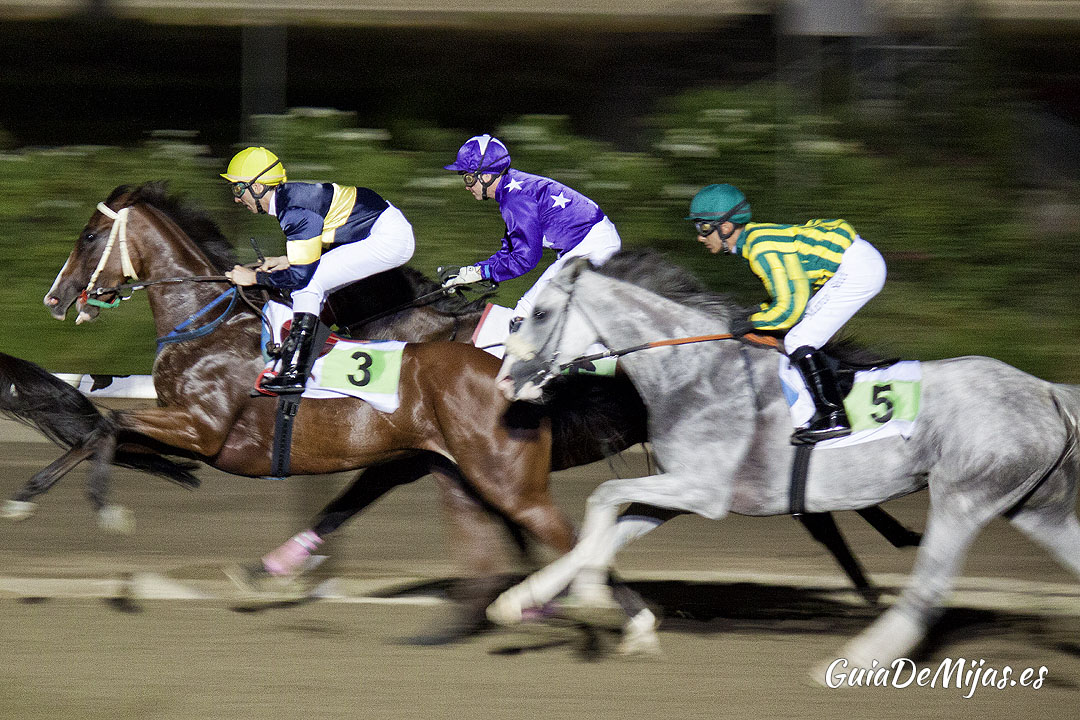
{"type": "Point", "coordinates": [592, 605]}
{"type": "Point", "coordinates": [258, 589]}
{"type": "Point", "coordinates": [247, 578]}
{"type": "Point", "coordinates": [17, 509]}
{"type": "Point", "coordinates": [639, 638]}
{"type": "Point", "coordinates": [506, 610]}
{"type": "Point", "coordinates": [116, 519]}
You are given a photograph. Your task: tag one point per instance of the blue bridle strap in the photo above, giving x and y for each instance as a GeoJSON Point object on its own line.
{"type": "Point", "coordinates": [180, 333]}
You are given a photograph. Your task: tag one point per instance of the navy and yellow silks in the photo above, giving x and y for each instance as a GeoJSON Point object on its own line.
{"type": "Point", "coordinates": [316, 218]}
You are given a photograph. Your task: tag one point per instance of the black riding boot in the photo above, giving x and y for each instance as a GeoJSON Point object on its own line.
{"type": "Point", "coordinates": [830, 420]}
{"type": "Point", "coordinates": [295, 356]}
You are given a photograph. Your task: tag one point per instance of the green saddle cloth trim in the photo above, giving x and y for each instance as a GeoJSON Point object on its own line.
{"type": "Point", "coordinates": [358, 366]}
{"type": "Point", "coordinates": [872, 403]}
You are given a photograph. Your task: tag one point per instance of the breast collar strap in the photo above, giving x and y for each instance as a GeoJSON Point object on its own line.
{"type": "Point", "coordinates": [118, 231]}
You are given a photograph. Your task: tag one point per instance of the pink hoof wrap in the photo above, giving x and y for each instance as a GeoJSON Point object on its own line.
{"type": "Point", "coordinates": [288, 558]}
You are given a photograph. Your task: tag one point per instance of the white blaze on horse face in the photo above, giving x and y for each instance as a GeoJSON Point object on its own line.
{"type": "Point", "coordinates": [51, 301]}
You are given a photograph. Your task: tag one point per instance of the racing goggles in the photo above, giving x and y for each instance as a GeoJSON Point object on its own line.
{"type": "Point", "coordinates": [705, 228]}
{"type": "Point", "coordinates": [242, 186]}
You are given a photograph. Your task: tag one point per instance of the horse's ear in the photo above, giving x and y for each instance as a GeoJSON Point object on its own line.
{"type": "Point", "coordinates": [577, 266]}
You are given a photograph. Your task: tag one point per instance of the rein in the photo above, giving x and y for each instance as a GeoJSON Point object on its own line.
{"type": "Point", "coordinates": [516, 347]}
{"type": "Point", "coordinates": [426, 299]}
{"type": "Point", "coordinates": [759, 340]}
{"type": "Point", "coordinates": [180, 333]}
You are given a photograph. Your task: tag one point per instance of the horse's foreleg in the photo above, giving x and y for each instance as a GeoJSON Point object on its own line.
{"type": "Point", "coordinates": [594, 553]}
{"type": "Point", "coordinates": [195, 431]}
{"type": "Point", "coordinates": [45, 478]}
{"type": "Point", "coordinates": [19, 507]}
{"type": "Point", "coordinates": [368, 486]}
{"type": "Point", "coordinates": [111, 518]}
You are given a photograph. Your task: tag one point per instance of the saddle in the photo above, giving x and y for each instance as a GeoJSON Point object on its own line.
{"type": "Point", "coordinates": [325, 338]}
{"type": "Point", "coordinates": [846, 360]}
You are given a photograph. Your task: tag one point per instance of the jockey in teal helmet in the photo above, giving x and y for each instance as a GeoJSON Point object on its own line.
{"type": "Point", "coordinates": [818, 274]}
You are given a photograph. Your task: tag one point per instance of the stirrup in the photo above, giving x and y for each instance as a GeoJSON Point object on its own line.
{"type": "Point", "coordinates": [810, 435]}
{"type": "Point", "coordinates": [283, 385]}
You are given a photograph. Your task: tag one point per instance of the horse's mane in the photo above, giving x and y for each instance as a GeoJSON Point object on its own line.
{"type": "Point", "coordinates": [651, 271]}
{"type": "Point", "coordinates": [195, 223]}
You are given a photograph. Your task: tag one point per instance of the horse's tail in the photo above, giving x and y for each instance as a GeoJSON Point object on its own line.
{"type": "Point", "coordinates": [593, 417]}
{"type": "Point", "coordinates": [1067, 399]}
{"type": "Point", "coordinates": [33, 396]}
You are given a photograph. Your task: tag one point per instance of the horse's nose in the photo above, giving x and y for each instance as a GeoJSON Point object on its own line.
{"type": "Point", "coordinates": [51, 301]}
{"type": "Point", "coordinates": [506, 387]}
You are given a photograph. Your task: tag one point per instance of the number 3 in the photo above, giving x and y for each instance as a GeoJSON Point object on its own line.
{"type": "Point", "coordinates": [362, 367]}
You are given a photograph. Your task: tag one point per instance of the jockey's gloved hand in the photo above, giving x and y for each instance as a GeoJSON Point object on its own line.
{"type": "Point", "coordinates": [465, 276]}
{"type": "Point", "coordinates": [741, 326]}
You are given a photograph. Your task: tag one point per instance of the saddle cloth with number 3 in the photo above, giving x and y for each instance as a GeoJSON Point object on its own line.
{"type": "Point", "coordinates": [883, 402]}
{"type": "Point", "coordinates": [368, 370]}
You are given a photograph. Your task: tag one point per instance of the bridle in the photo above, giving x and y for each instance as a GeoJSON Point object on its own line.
{"type": "Point", "coordinates": [117, 232]}
{"type": "Point", "coordinates": [118, 235]}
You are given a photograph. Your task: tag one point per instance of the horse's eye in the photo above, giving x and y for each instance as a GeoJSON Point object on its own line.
{"type": "Point", "coordinates": [539, 314]}
{"type": "Point", "coordinates": [90, 237]}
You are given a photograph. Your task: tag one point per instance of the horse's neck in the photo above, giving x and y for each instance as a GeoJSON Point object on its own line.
{"type": "Point", "coordinates": [628, 316]}
{"type": "Point", "coordinates": [165, 251]}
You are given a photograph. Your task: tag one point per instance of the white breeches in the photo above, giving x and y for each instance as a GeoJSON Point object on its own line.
{"type": "Point", "coordinates": [860, 276]}
{"type": "Point", "coordinates": [390, 245]}
{"type": "Point", "coordinates": [598, 245]}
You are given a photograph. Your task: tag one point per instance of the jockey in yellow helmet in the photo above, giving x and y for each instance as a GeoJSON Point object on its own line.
{"type": "Point", "coordinates": [334, 235]}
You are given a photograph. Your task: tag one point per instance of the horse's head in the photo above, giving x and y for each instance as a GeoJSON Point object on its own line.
{"type": "Point", "coordinates": [555, 332]}
{"type": "Point", "coordinates": [100, 259]}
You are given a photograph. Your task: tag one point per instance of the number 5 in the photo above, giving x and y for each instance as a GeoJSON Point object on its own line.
{"type": "Point", "coordinates": [884, 414]}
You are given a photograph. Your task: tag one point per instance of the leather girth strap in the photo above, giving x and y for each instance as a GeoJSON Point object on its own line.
{"type": "Point", "coordinates": [287, 407]}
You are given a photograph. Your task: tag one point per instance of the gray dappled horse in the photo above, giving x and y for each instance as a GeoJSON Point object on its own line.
{"type": "Point", "coordinates": [990, 441]}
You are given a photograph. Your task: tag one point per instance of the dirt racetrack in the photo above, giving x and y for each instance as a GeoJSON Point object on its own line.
{"type": "Point", "coordinates": [94, 626]}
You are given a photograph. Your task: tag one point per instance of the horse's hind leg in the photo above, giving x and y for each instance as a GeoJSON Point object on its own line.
{"type": "Point", "coordinates": [940, 559]}
{"type": "Point", "coordinates": [1055, 528]}
{"type": "Point", "coordinates": [477, 540]}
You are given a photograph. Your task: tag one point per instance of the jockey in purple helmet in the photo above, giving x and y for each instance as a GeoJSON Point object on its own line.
{"type": "Point", "coordinates": [539, 213]}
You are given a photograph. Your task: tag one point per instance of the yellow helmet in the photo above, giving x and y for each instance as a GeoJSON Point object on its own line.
{"type": "Point", "coordinates": [255, 164]}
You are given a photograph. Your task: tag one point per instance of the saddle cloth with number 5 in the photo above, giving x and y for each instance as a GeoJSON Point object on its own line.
{"type": "Point", "coordinates": [368, 370]}
{"type": "Point", "coordinates": [883, 402]}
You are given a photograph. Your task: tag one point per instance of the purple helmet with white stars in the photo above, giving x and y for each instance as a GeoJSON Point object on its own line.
{"type": "Point", "coordinates": [481, 154]}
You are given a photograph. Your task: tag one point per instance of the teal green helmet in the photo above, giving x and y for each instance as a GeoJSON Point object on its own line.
{"type": "Point", "coordinates": [719, 204]}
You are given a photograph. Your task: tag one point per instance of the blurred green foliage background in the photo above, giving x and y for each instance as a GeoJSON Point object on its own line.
{"type": "Point", "coordinates": [972, 269]}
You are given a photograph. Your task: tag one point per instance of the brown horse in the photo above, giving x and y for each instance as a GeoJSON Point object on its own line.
{"type": "Point", "coordinates": [451, 421]}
